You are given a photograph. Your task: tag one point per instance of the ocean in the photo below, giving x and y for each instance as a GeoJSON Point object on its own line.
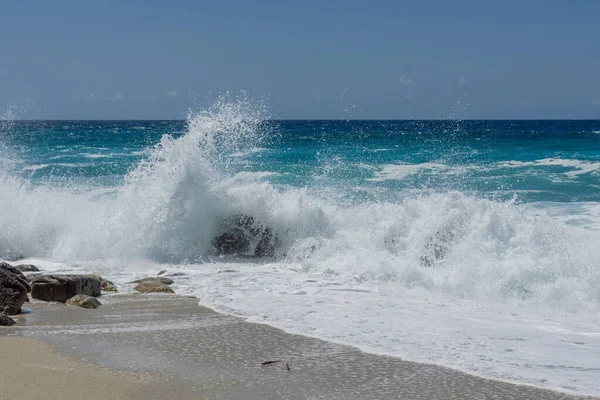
{"type": "Point", "coordinates": [469, 244]}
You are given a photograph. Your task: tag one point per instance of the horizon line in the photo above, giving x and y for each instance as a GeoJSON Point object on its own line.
{"type": "Point", "coordinates": [314, 119]}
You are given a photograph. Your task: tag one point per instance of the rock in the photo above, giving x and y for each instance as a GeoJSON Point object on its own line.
{"type": "Point", "coordinates": [436, 248]}
{"type": "Point", "coordinates": [267, 245]}
{"type": "Point", "coordinates": [82, 300]}
{"type": "Point", "coordinates": [164, 271]}
{"type": "Point", "coordinates": [62, 287]}
{"type": "Point", "coordinates": [243, 235]}
{"type": "Point", "coordinates": [175, 274]}
{"type": "Point", "coordinates": [27, 268]}
{"type": "Point", "coordinates": [153, 287]}
{"type": "Point", "coordinates": [5, 320]}
{"type": "Point", "coordinates": [105, 284]}
{"type": "Point", "coordinates": [157, 279]}
{"type": "Point", "coordinates": [234, 241]}
{"type": "Point", "coordinates": [13, 289]}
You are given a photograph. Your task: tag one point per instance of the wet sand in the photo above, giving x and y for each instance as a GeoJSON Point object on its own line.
{"type": "Point", "coordinates": [169, 347]}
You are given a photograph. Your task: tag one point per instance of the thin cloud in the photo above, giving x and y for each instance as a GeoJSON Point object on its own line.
{"type": "Point", "coordinates": [118, 96]}
{"type": "Point", "coordinates": [141, 97]}
{"type": "Point", "coordinates": [596, 102]}
{"type": "Point", "coordinates": [461, 79]}
{"type": "Point", "coordinates": [172, 93]}
{"type": "Point", "coordinates": [408, 83]}
{"type": "Point", "coordinates": [94, 96]}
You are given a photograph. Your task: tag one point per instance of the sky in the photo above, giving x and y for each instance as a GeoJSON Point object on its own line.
{"type": "Point", "coordinates": [325, 59]}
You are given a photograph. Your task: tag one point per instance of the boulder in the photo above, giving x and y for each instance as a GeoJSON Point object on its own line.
{"type": "Point", "coordinates": [62, 287]}
{"type": "Point", "coordinates": [164, 271]}
{"type": "Point", "coordinates": [5, 320]}
{"type": "Point", "coordinates": [234, 241]}
{"type": "Point", "coordinates": [175, 274]}
{"type": "Point", "coordinates": [13, 289]}
{"type": "Point", "coordinates": [27, 268]}
{"type": "Point", "coordinates": [157, 279]}
{"type": "Point", "coordinates": [243, 235]}
{"type": "Point", "coordinates": [105, 284]}
{"type": "Point", "coordinates": [267, 245]}
{"type": "Point", "coordinates": [153, 287]}
{"type": "Point", "coordinates": [82, 300]}
{"type": "Point", "coordinates": [436, 248]}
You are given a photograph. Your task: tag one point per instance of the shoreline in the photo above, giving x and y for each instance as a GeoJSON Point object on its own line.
{"type": "Point", "coordinates": [214, 354]}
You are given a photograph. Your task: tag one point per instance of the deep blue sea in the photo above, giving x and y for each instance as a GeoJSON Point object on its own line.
{"type": "Point", "coordinates": [470, 244]}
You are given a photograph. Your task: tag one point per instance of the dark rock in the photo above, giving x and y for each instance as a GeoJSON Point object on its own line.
{"type": "Point", "coordinates": [5, 320]}
{"type": "Point", "coordinates": [234, 241]}
{"type": "Point", "coordinates": [153, 287]}
{"type": "Point", "coordinates": [175, 274]}
{"type": "Point", "coordinates": [164, 271]}
{"type": "Point", "coordinates": [13, 289]}
{"type": "Point", "coordinates": [27, 268]}
{"type": "Point", "coordinates": [267, 245]}
{"type": "Point", "coordinates": [436, 248]}
{"type": "Point", "coordinates": [81, 300]}
{"type": "Point", "coordinates": [157, 279]}
{"type": "Point", "coordinates": [243, 235]}
{"type": "Point", "coordinates": [62, 287]}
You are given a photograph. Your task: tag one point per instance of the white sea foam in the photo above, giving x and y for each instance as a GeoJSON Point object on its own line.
{"type": "Point", "coordinates": [401, 171]}
{"type": "Point", "coordinates": [34, 168]}
{"type": "Point", "coordinates": [247, 153]}
{"type": "Point", "coordinates": [252, 176]}
{"type": "Point", "coordinates": [515, 296]}
{"type": "Point", "coordinates": [579, 167]}
{"type": "Point", "coordinates": [94, 156]}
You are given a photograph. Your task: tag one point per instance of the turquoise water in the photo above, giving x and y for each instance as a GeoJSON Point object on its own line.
{"type": "Point", "coordinates": [539, 161]}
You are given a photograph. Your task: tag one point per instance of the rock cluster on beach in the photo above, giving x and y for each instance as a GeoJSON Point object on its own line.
{"type": "Point", "coordinates": [74, 290]}
{"type": "Point", "coordinates": [62, 287]}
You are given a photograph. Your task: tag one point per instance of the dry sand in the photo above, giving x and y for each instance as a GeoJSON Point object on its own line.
{"type": "Point", "coordinates": [31, 369]}
{"type": "Point", "coordinates": [168, 347]}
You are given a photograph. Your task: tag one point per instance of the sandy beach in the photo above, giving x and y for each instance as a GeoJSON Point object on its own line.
{"type": "Point", "coordinates": [154, 347]}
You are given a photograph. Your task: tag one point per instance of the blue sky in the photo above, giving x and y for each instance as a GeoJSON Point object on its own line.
{"type": "Point", "coordinates": [115, 59]}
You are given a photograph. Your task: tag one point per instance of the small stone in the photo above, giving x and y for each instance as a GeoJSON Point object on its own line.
{"type": "Point", "coordinates": [105, 284]}
{"type": "Point", "coordinates": [81, 300]}
{"type": "Point", "coordinates": [164, 271]}
{"type": "Point", "coordinates": [5, 320]}
{"type": "Point", "coordinates": [153, 287]}
{"type": "Point", "coordinates": [159, 279]}
{"type": "Point", "coordinates": [27, 268]}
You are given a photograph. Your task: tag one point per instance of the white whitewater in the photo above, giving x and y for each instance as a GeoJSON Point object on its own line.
{"type": "Point", "coordinates": [514, 296]}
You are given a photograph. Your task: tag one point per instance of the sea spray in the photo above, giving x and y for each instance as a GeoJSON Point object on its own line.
{"type": "Point", "coordinates": [379, 249]}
